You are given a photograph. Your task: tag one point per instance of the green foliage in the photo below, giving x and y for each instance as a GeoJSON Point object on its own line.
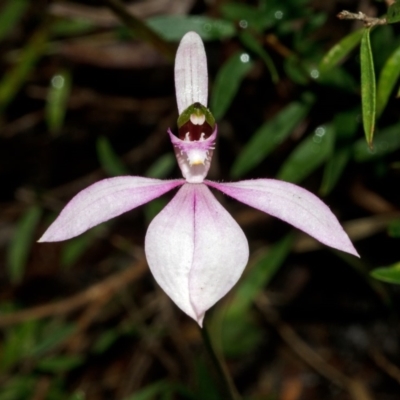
{"type": "Point", "coordinates": [387, 80]}
{"type": "Point", "coordinates": [368, 87]}
{"type": "Point", "coordinates": [389, 274]}
{"type": "Point", "coordinates": [10, 15]}
{"type": "Point", "coordinates": [15, 77]}
{"type": "Point", "coordinates": [57, 100]}
{"type": "Point", "coordinates": [268, 137]}
{"type": "Point", "coordinates": [310, 154]}
{"type": "Point", "coordinates": [19, 249]}
{"type": "Point", "coordinates": [108, 159]}
{"type": "Point", "coordinates": [393, 13]}
{"type": "Point", "coordinates": [227, 83]}
{"type": "Point", "coordinates": [173, 27]}
{"type": "Point", "coordinates": [340, 50]}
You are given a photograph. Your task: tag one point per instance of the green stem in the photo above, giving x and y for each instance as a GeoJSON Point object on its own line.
{"type": "Point", "coordinates": [230, 391]}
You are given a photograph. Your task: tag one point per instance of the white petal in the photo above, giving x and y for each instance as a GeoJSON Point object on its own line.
{"type": "Point", "coordinates": [195, 250]}
{"type": "Point", "coordinates": [105, 200]}
{"type": "Point", "coordinates": [292, 204]}
{"type": "Point", "coordinates": [191, 78]}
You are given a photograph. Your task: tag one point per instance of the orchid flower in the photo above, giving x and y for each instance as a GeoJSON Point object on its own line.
{"type": "Point", "coordinates": [195, 250]}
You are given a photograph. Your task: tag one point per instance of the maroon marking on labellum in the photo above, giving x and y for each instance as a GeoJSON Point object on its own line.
{"type": "Point", "coordinates": [195, 131]}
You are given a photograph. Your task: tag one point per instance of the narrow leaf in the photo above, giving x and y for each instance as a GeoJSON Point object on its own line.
{"type": "Point", "coordinates": [162, 167]}
{"type": "Point", "coordinates": [393, 13]}
{"type": "Point", "coordinates": [227, 83]}
{"type": "Point", "coordinates": [21, 243]}
{"type": "Point", "coordinates": [387, 80]}
{"type": "Point", "coordinates": [368, 87]}
{"type": "Point", "coordinates": [248, 15]}
{"type": "Point", "coordinates": [57, 100]}
{"type": "Point", "coordinates": [340, 50]}
{"type": "Point", "coordinates": [333, 170]}
{"type": "Point", "coordinates": [253, 45]}
{"type": "Point", "coordinates": [258, 277]}
{"type": "Point", "coordinates": [269, 136]}
{"type": "Point", "coordinates": [10, 14]}
{"type": "Point", "coordinates": [385, 142]}
{"type": "Point", "coordinates": [388, 274]}
{"type": "Point", "coordinates": [308, 155]}
{"type": "Point", "coordinates": [15, 77]}
{"type": "Point", "coordinates": [59, 364]}
{"type": "Point", "coordinates": [108, 159]}
{"type": "Point", "coordinates": [173, 27]}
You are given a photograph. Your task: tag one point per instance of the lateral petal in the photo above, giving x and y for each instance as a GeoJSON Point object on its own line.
{"type": "Point", "coordinates": [104, 200]}
{"type": "Point", "coordinates": [191, 76]}
{"type": "Point", "coordinates": [292, 204]}
{"type": "Point", "coordinates": [195, 250]}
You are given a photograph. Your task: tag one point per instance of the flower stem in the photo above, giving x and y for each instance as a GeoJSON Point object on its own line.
{"type": "Point", "coordinates": [227, 385]}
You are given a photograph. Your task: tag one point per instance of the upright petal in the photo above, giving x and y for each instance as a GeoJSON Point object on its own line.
{"type": "Point", "coordinates": [195, 250]}
{"type": "Point", "coordinates": [104, 200]}
{"type": "Point", "coordinates": [191, 78]}
{"type": "Point", "coordinates": [292, 204]}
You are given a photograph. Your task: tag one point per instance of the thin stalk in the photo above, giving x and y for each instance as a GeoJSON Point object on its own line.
{"type": "Point", "coordinates": [226, 382]}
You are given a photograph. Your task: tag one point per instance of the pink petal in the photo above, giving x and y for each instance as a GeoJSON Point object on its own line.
{"type": "Point", "coordinates": [191, 78]}
{"type": "Point", "coordinates": [195, 250]}
{"type": "Point", "coordinates": [105, 200]}
{"type": "Point", "coordinates": [292, 204]}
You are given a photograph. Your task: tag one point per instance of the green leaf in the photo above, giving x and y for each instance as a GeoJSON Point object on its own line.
{"type": "Point", "coordinates": [334, 169]}
{"type": "Point", "coordinates": [393, 13]}
{"type": "Point", "coordinates": [394, 228]}
{"type": "Point", "coordinates": [340, 50]}
{"type": "Point", "coordinates": [72, 27]}
{"type": "Point", "coordinates": [308, 155]}
{"type": "Point", "coordinates": [19, 387]}
{"type": "Point", "coordinates": [386, 141]}
{"type": "Point", "coordinates": [162, 167]}
{"type": "Point", "coordinates": [173, 27]}
{"type": "Point", "coordinates": [227, 83]}
{"type": "Point", "coordinates": [10, 15]}
{"type": "Point", "coordinates": [387, 80]}
{"type": "Point", "coordinates": [17, 344]}
{"type": "Point", "coordinates": [252, 17]}
{"type": "Point", "coordinates": [268, 137]}
{"type": "Point", "coordinates": [76, 247]}
{"type": "Point", "coordinates": [150, 391]}
{"type": "Point", "coordinates": [253, 45]}
{"type": "Point", "coordinates": [108, 159]}
{"type": "Point", "coordinates": [368, 88]}
{"type": "Point", "coordinates": [57, 101]}
{"type": "Point", "coordinates": [60, 363]}
{"type": "Point", "coordinates": [389, 274]}
{"type": "Point", "coordinates": [53, 336]}
{"type": "Point", "coordinates": [258, 277]}
{"type": "Point", "coordinates": [15, 77]}
{"type": "Point", "coordinates": [18, 251]}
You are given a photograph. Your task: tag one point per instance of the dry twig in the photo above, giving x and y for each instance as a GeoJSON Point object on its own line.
{"type": "Point", "coordinates": [360, 16]}
{"type": "Point", "coordinates": [355, 388]}
{"type": "Point", "coordinates": [102, 290]}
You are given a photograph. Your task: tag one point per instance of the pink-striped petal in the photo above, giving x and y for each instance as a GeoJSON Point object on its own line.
{"type": "Point", "coordinates": [104, 200]}
{"type": "Point", "coordinates": [195, 250]}
{"type": "Point", "coordinates": [292, 204]}
{"type": "Point", "coordinates": [191, 77]}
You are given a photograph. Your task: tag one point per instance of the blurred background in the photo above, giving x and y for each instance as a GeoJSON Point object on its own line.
{"type": "Point", "coordinates": [87, 92]}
